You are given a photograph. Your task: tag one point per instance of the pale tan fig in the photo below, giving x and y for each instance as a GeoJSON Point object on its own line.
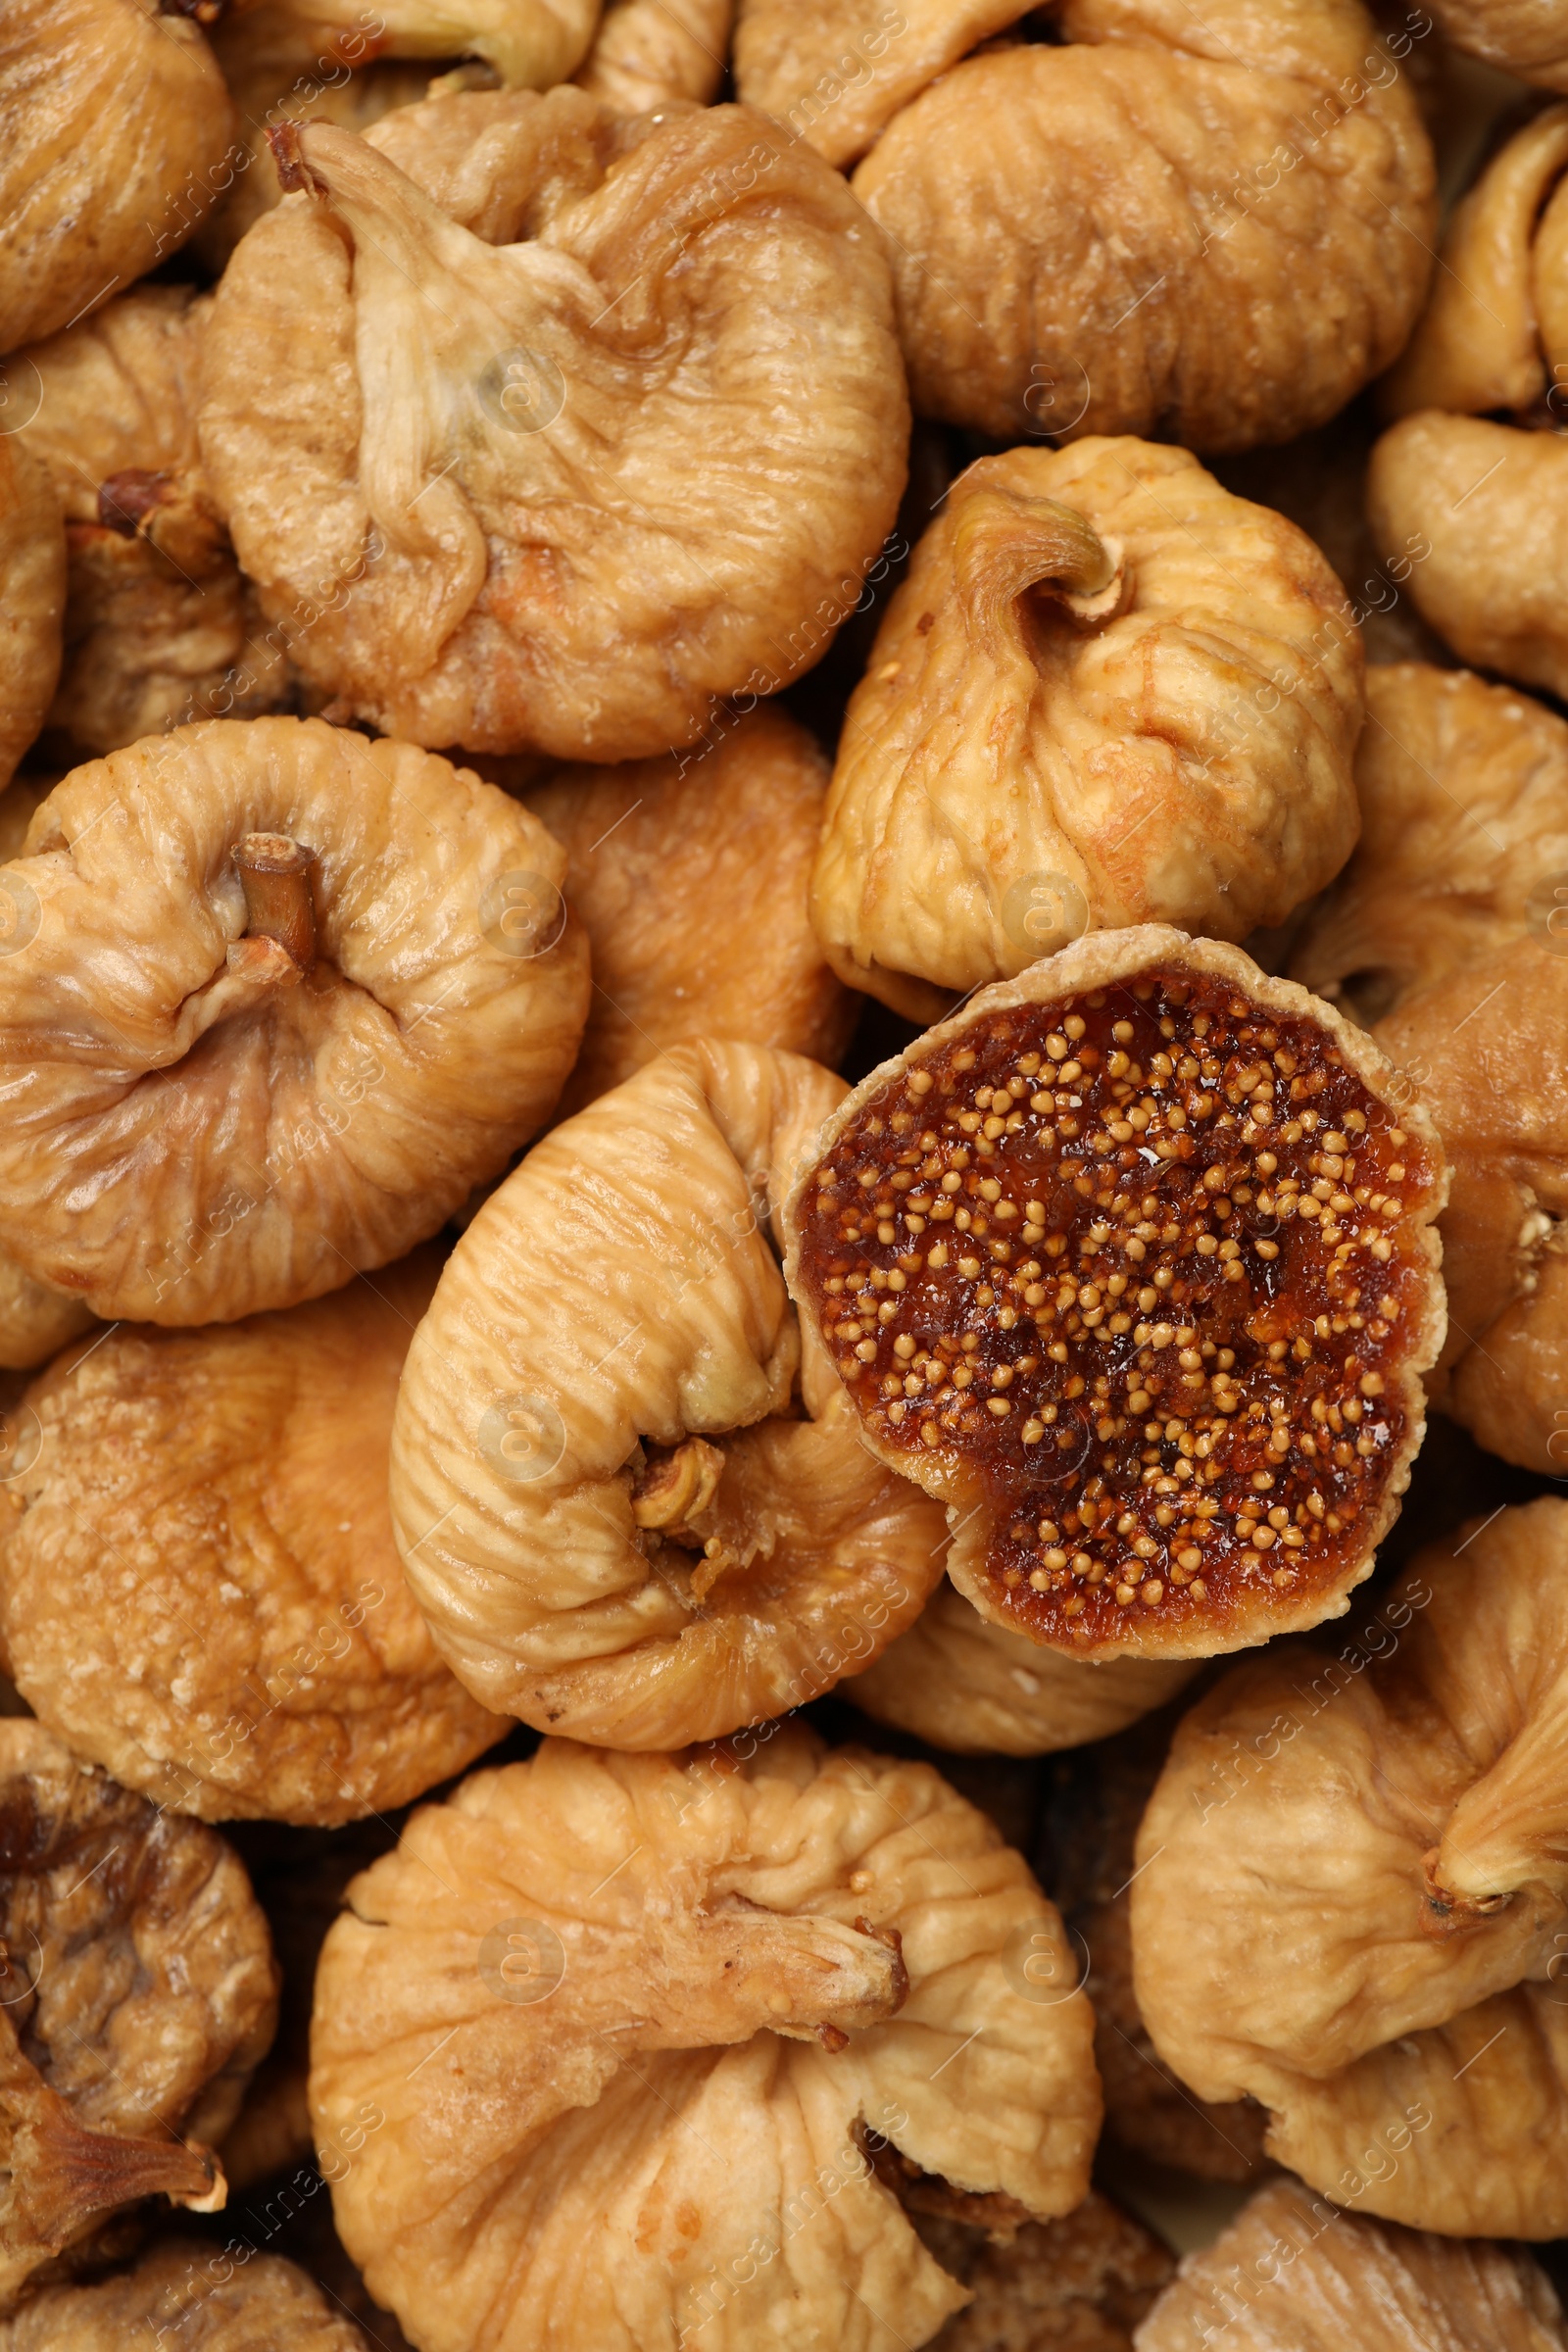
{"type": "Point", "coordinates": [1523, 38]}
{"type": "Point", "coordinates": [632, 1506]}
{"type": "Point", "coordinates": [466, 371]}
{"type": "Point", "coordinates": [246, 1462]}
{"type": "Point", "coordinates": [1079, 2285]}
{"type": "Point", "coordinates": [1295, 2274]}
{"type": "Point", "coordinates": [1215, 225]}
{"type": "Point", "coordinates": [648, 52]}
{"type": "Point", "coordinates": [1447, 936]}
{"type": "Point", "coordinates": [200, 2298]}
{"type": "Point", "coordinates": [254, 970]}
{"type": "Point", "coordinates": [1350, 1900]}
{"type": "Point", "coordinates": [530, 44]}
{"type": "Point", "coordinates": [631, 2018]}
{"type": "Point", "coordinates": [159, 626]}
{"type": "Point", "coordinates": [689, 875]}
{"type": "Point", "coordinates": [962, 1682]}
{"type": "Point", "coordinates": [33, 599]}
{"type": "Point", "coordinates": [1153, 1245]}
{"type": "Point", "coordinates": [139, 1992]}
{"type": "Point", "coordinates": [116, 130]}
{"type": "Point", "coordinates": [1107, 693]}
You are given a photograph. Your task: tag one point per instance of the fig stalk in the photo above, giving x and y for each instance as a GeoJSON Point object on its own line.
{"type": "Point", "coordinates": [276, 876]}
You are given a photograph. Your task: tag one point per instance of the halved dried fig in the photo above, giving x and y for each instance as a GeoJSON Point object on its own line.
{"type": "Point", "coordinates": [507, 482]}
{"type": "Point", "coordinates": [625, 2016]}
{"type": "Point", "coordinates": [249, 1461]}
{"type": "Point", "coordinates": [529, 43]}
{"type": "Point", "coordinates": [1442, 937]}
{"type": "Point", "coordinates": [1215, 226]}
{"type": "Point", "coordinates": [33, 599]}
{"type": "Point", "coordinates": [255, 969]}
{"type": "Point", "coordinates": [1395, 1825]}
{"type": "Point", "coordinates": [1293, 2273]}
{"type": "Point", "coordinates": [197, 2295]}
{"type": "Point", "coordinates": [689, 875]}
{"type": "Point", "coordinates": [1108, 692]}
{"type": "Point", "coordinates": [114, 131]}
{"type": "Point", "coordinates": [139, 1992]}
{"type": "Point", "coordinates": [647, 51]}
{"type": "Point", "coordinates": [1131, 1265]}
{"type": "Point", "coordinates": [618, 1514]}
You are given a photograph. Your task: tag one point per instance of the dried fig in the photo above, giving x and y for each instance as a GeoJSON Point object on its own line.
{"type": "Point", "coordinates": [1107, 693]}
{"type": "Point", "coordinates": [1293, 2273]}
{"type": "Point", "coordinates": [140, 1992]}
{"type": "Point", "coordinates": [1351, 1896]}
{"type": "Point", "coordinates": [1215, 227]}
{"type": "Point", "coordinates": [255, 967]}
{"type": "Point", "coordinates": [1079, 2285]}
{"type": "Point", "coordinates": [249, 1460]}
{"type": "Point", "coordinates": [160, 628]}
{"type": "Point", "coordinates": [507, 488]}
{"type": "Point", "coordinates": [33, 599]}
{"type": "Point", "coordinates": [689, 875]}
{"type": "Point", "coordinates": [967, 1685]}
{"type": "Point", "coordinates": [627, 2016]}
{"type": "Point", "coordinates": [529, 43]}
{"type": "Point", "coordinates": [196, 2296]}
{"type": "Point", "coordinates": [613, 1511]}
{"type": "Point", "coordinates": [114, 127]}
{"type": "Point", "coordinates": [1523, 37]}
{"type": "Point", "coordinates": [647, 51]}
{"type": "Point", "coordinates": [1158, 1285]}
{"type": "Point", "coordinates": [1443, 933]}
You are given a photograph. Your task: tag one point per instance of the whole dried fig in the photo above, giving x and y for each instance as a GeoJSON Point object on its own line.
{"type": "Point", "coordinates": [689, 875]}
{"type": "Point", "coordinates": [629, 2018]}
{"type": "Point", "coordinates": [620, 1517]}
{"type": "Point", "coordinates": [255, 967]}
{"type": "Point", "coordinates": [647, 51]}
{"type": "Point", "coordinates": [195, 2294]}
{"type": "Point", "coordinates": [1442, 937]}
{"type": "Point", "coordinates": [33, 599]}
{"type": "Point", "coordinates": [140, 1992]}
{"type": "Point", "coordinates": [1130, 1263]}
{"type": "Point", "coordinates": [1350, 1900]}
{"type": "Point", "coordinates": [529, 559]}
{"type": "Point", "coordinates": [114, 131]}
{"type": "Point", "coordinates": [250, 1461]}
{"type": "Point", "coordinates": [1107, 693]}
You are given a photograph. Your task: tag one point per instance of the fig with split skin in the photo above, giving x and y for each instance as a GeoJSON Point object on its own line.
{"type": "Point", "coordinates": [33, 599]}
{"type": "Point", "coordinates": [465, 369]}
{"type": "Point", "coordinates": [1108, 692]}
{"type": "Point", "coordinates": [1130, 1265]}
{"type": "Point", "coordinates": [629, 1498]}
{"type": "Point", "coordinates": [196, 2295]}
{"type": "Point", "coordinates": [664, 2010]}
{"type": "Point", "coordinates": [258, 966]}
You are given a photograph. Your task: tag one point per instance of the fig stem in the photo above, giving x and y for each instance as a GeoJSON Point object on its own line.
{"type": "Point", "coordinates": [63, 2174]}
{"type": "Point", "coordinates": [276, 873]}
{"type": "Point", "coordinates": [1005, 543]}
{"type": "Point", "coordinates": [1445, 1911]}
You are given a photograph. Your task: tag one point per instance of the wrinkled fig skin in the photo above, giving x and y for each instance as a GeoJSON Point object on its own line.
{"type": "Point", "coordinates": [529, 44]}
{"type": "Point", "coordinates": [965, 1684]}
{"type": "Point", "coordinates": [158, 625]}
{"type": "Point", "coordinates": [1107, 693]}
{"type": "Point", "coordinates": [1215, 226]}
{"type": "Point", "coordinates": [247, 1459]}
{"type": "Point", "coordinates": [1074, 2285]}
{"type": "Point", "coordinates": [648, 52]}
{"type": "Point", "coordinates": [1443, 935]}
{"type": "Point", "coordinates": [142, 1993]}
{"type": "Point", "coordinates": [115, 127]}
{"type": "Point", "coordinates": [504, 483]}
{"type": "Point", "coordinates": [620, 1296]}
{"type": "Point", "coordinates": [1295, 2274]}
{"type": "Point", "coordinates": [1493, 501]}
{"type": "Point", "coordinates": [689, 875]}
{"type": "Point", "coordinates": [649, 1998]}
{"type": "Point", "coordinates": [196, 1129]}
{"type": "Point", "coordinates": [1352, 1881]}
{"type": "Point", "coordinates": [190, 2294]}
{"type": "Point", "coordinates": [1523, 38]}
{"type": "Point", "coordinates": [33, 599]}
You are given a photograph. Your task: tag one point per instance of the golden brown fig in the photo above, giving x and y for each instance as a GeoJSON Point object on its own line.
{"type": "Point", "coordinates": [965, 1684]}
{"type": "Point", "coordinates": [1445, 931]}
{"type": "Point", "coordinates": [626, 2017]}
{"type": "Point", "coordinates": [1158, 1284]}
{"type": "Point", "coordinates": [140, 1992]}
{"type": "Point", "coordinates": [1079, 2285]}
{"type": "Point", "coordinates": [1107, 693]}
{"type": "Point", "coordinates": [255, 968]}
{"type": "Point", "coordinates": [1523, 37]}
{"type": "Point", "coordinates": [1350, 1899]}
{"type": "Point", "coordinates": [115, 133]}
{"type": "Point", "coordinates": [529, 43]}
{"type": "Point", "coordinates": [630, 1504]}
{"type": "Point", "coordinates": [1217, 228]}
{"type": "Point", "coordinates": [246, 1462]}
{"type": "Point", "coordinates": [647, 51]}
{"type": "Point", "coordinates": [1294, 2274]}
{"type": "Point", "coordinates": [196, 2296]}
{"type": "Point", "coordinates": [689, 875]}
{"type": "Point", "coordinates": [508, 484]}
{"type": "Point", "coordinates": [33, 599]}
